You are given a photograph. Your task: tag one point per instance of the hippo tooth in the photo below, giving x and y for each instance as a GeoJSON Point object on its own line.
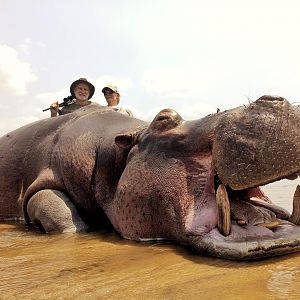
{"type": "Point", "coordinates": [224, 222]}
{"type": "Point", "coordinates": [274, 224]}
{"type": "Point", "coordinates": [270, 225]}
{"type": "Point", "coordinates": [295, 217]}
{"type": "Point", "coordinates": [241, 222]}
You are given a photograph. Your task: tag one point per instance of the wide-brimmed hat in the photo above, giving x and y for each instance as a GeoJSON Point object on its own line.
{"type": "Point", "coordinates": [111, 87]}
{"type": "Point", "coordinates": [82, 80]}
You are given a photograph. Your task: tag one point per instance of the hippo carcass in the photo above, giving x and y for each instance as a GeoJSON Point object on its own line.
{"type": "Point", "coordinates": [192, 182]}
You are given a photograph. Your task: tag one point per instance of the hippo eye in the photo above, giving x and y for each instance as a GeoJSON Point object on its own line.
{"type": "Point", "coordinates": [165, 120]}
{"type": "Point", "coordinates": [163, 117]}
{"type": "Point", "coordinates": [270, 98]}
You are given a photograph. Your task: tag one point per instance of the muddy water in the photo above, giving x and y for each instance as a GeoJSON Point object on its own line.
{"type": "Point", "coordinates": [103, 266]}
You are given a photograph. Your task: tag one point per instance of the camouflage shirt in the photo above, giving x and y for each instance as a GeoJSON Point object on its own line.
{"type": "Point", "coordinates": [72, 107]}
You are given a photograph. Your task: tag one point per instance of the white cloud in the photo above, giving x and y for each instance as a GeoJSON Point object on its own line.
{"type": "Point", "coordinates": [192, 111]}
{"type": "Point", "coordinates": [123, 84]}
{"type": "Point", "coordinates": [45, 99]}
{"type": "Point", "coordinates": [195, 110]}
{"type": "Point", "coordinates": [14, 123]}
{"type": "Point", "coordinates": [175, 82]}
{"type": "Point", "coordinates": [15, 74]}
{"type": "Point", "coordinates": [180, 82]}
{"type": "Point", "coordinates": [149, 115]}
{"type": "Point", "coordinates": [27, 45]}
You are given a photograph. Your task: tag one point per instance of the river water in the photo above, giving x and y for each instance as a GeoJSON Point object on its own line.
{"type": "Point", "coordinates": [103, 266]}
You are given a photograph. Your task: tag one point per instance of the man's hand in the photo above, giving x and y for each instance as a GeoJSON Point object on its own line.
{"type": "Point", "coordinates": [54, 109]}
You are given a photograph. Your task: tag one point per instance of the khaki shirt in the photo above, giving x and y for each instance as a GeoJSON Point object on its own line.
{"type": "Point", "coordinates": [121, 110]}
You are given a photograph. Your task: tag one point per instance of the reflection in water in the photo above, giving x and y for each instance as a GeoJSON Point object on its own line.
{"type": "Point", "coordinates": [282, 192]}
{"type": "Point", "coordinates": [285, 281]}
{"type": "Point", "coordinates": [103, 266]}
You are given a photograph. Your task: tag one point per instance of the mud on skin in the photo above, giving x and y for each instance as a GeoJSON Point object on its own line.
{"type": "Point", "coordinates": [196, 183]}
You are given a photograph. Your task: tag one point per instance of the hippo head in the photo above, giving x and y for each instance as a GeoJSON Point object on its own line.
{"type": "Point", "coordinates": [258, 144]}
{"type": "Point", "coordinates": [197, 182]}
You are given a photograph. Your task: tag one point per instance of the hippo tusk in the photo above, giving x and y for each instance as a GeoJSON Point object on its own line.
{"type": "Point", "coordinates": [295, 217]}
{"type": "Point", "coordinates": [224, 222]}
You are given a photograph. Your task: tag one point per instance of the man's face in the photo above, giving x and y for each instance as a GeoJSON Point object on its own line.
{"type": "Point", "coordinates": [82, 91]}
{"type": "Point", "coordinates": [111, 97]}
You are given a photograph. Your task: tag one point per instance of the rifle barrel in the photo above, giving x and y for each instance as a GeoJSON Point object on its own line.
{"type": "Point", "coordinates": [65, 103]}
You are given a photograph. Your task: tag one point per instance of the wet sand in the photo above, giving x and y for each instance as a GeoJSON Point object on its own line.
{"type": "Point", "coordinates": [103, 266]}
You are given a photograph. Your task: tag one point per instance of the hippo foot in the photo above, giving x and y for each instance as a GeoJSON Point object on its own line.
{"type": "Point", "coordinates": [53, 210]}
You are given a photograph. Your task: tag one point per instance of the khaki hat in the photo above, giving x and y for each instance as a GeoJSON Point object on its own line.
{"type": "Point", "coordinates": [82, 80]}
{"type": "Point", "coordinates": [111, 87]}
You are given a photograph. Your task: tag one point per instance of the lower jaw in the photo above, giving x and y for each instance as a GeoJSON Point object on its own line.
{"type": "Point", "coordinates": [224, 212]}
{"type": "Point", "coordinates": [215, 244]}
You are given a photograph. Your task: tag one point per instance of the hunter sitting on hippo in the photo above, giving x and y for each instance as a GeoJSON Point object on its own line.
{"type": "Point", "coordinates": [193, 182]}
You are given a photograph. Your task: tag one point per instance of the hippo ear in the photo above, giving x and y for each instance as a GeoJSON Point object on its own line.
{"type": "Point", "coordinates": [126, 140]}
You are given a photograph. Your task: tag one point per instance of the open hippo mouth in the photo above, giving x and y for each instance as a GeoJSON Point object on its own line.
{"type": "Point", "coordinates": [251, 149]}
{"type": "Point", "coordinates": [250, 226]}
{"type": "Point", "coordinates": [251, 207]}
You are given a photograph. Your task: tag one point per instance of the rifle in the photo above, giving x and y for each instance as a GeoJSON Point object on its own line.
{"type": "Point", "coordinates": [66, 101]}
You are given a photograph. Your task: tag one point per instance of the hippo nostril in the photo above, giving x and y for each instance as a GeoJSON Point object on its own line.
{"type": "Point", "coordinates": [163, 117]}
{"type": "Point", "coordinates": [270, 98]}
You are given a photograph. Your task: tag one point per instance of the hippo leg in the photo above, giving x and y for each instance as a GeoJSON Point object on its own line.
{"type": "Point", "coordinates": [54, 211]}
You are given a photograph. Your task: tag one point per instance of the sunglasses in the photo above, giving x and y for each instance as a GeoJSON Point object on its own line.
{"type": "Point", "coordinates": [108, 92]}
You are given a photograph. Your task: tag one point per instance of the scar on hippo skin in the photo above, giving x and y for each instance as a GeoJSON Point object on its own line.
{"type": "Point", "coordinates": [54, 211]}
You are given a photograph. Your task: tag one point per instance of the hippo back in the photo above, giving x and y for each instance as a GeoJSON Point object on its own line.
{"type": "Point", "coordinates": [50, 145]}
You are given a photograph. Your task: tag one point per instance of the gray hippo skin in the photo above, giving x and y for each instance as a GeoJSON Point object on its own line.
{"type": "Point", "coordinates": [192, 182]}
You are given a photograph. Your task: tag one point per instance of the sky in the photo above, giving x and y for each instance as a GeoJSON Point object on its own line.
{"type": "Point", "coordinates": [192, 56]}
